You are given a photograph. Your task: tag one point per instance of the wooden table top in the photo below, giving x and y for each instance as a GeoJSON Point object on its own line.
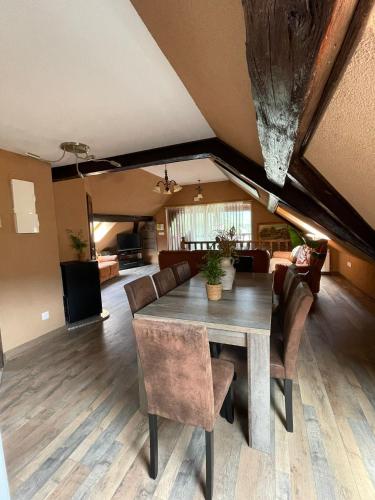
{"type": "Point", "coordinates": [246, 308]}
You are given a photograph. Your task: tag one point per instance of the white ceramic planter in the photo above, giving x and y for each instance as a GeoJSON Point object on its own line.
{"type": "Point", "coordinates": [227, 267]}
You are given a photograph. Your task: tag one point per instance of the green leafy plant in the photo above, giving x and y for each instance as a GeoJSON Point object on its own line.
{"type": "Point", "coordinates": [225, 238]}
{"type": "Point", "coordinates": [77, 242]}
{"type": "Point", "coordinates": [296, 237]}
{"type": "Point", "coordinates": [211, 269]}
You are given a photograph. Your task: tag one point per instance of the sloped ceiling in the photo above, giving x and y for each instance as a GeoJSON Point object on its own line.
{"type": "Point", "coordinates": [205, 43]}
{"type": "Point", "coordinates": [88, 71]}
{"type": "Point", "coordinates": [343, 147]}
{"type": "Point", "coordinates": [188, 172]}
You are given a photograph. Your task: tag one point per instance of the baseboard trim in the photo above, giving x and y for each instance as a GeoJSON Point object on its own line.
{"type": "Point", "coordinates": [21, 349]}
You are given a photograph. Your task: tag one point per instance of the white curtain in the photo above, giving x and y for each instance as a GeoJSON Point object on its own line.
{"type": "Point", "coordinates": [201, 222]}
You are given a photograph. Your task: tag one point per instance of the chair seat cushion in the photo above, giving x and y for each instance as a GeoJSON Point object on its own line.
{"type": "Point", "coordinates": [222, 376]}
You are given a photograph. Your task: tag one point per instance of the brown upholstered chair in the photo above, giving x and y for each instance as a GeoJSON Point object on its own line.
{"type": "Point", "coordinates": [182, 382]}
{"type": "Point", "coordinates": [284, 350]}
{"type": "Point", "coordinates": [164, 281]}
{"type": "Point", "coordinates": [181, 271]}
{"type": "Point", "coordinates": [140, 293]}
{"type": "Point", "coordinates": [292, 278]}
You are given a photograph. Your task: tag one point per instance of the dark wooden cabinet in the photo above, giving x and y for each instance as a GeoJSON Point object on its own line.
{"type": "Point", "coordinates": [82, 296]}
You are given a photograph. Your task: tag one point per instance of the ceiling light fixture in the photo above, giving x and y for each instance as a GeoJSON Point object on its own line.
{"type": "Point", "coordinates": [199, 191]}
{"type": "Point", "coordinates": [166, 186]}
{"type": "Point", "coordinates": [80, 151]}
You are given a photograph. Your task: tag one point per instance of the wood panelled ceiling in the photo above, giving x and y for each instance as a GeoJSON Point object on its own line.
{"type": "Point", "coordinates": [205, 43]}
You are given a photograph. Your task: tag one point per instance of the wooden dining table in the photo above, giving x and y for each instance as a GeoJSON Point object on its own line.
{"type": "Point", "coordinates": [241, 318]}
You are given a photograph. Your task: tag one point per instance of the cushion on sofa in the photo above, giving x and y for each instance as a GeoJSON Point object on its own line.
{"type": "Point", "coordinates": [107, 258]}
{"type": "Point", "coordinates": [303, 255]}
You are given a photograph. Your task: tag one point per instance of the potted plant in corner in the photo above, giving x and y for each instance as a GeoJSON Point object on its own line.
{"type": "Point", "coordinates": [77, 243]}
{"type": "Point", "coordinates": [213, 272]}
{"type": "Point", "coordinates": [227, 247]}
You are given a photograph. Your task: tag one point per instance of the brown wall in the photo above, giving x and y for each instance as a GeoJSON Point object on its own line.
{"type": "Point", "coordinates": [126, 193]}
{"type": "Point", "coordinates": [71, 213]}
{"type": "Point", "coordinates": [30, 281]}
{"type": "Point", "coordinates": [214, 192]}
{"type": "Point", "coordinates": [361, 273]}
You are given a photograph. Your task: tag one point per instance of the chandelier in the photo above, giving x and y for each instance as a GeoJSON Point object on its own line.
{"type": "Point", "coordinates": [80, 151]}
{"type": "Point", "coordinates": [166, 186]}
{"type": "Point", "coordinates": [199, 191]}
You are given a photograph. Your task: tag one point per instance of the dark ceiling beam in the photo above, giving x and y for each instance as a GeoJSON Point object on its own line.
{"type": "Point", "coordinates": [307, 203]}
{"type": "Point", "coordinates": [300, 200]}
{"type": "Point", "coordinates": [313, 183]}
{"type": "Point", "coordinates": [121, 218]}
{"type": "Point", "coordinates": [168, 154]}
{"type": "Point", "coordinates": [353, 36]}
{"type": "Point", "coordinates": [289, 45]}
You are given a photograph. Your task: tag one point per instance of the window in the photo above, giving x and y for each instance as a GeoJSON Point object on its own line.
{"type": "Point", "coordinates": [201, 222]}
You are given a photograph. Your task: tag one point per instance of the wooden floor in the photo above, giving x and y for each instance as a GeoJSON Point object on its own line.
{"type": "Point", "coordinates": [72, 430]}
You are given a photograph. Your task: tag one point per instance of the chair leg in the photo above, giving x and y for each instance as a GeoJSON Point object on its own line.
{"type": "Point", "coordinates": [288, 393]}
{"type": "Point", "coordinates": [215, 349]}
{"type": "Point", "coordinates": [153, 426]}
{"type": "Point", "coordinates": [209, 464]}
{"type": "Point", "coordinates": [227, 410]}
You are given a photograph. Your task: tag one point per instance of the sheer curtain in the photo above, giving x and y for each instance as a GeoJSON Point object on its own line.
{"type": "Point", "coordinates": [201, 222]}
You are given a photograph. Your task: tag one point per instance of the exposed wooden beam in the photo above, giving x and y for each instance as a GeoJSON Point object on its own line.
{"type": "Point", "coordinates": [352, 37]}
{"type": "Point", "coordinates": [299, 199]}
{"type": "Point", "coordinates": [289, 47]}
{"type": "Point", "coordinates": [273, 203]}
{"type": "Point", "coordinates": [121, 218]}
{"type": "Point", "coordinates": [344, 225]}
{"type": "Point", "coordinates": [168, 154]}
{"type": "Point", "coordinates": [326, 195]}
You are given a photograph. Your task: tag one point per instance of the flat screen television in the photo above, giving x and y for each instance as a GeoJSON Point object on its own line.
{"type": "Point", "coordinates": [126, 241]}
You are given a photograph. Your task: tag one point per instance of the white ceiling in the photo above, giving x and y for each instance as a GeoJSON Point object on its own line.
{"type": "Point", "coordinates": [188, 172]}
{"type": "Point", "coordinates": [88, 71]}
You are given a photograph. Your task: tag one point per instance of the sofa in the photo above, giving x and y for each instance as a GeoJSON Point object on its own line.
{"type": "Point", "coordinates": [108, 267]}
{"type": "Point", "coordinates": [260, 263]}
{"type": "Point", "coordinates": [308, 263]}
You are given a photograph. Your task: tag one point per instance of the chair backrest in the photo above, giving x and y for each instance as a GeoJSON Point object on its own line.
{"type": "Point", "coordinates": [181, 271]}
{"type": "Point", "coordinates": [290, 282]}
{"type": "Point", "coordinates": [140, 293]}
{"type": "Point", "coordinates": [176, 364]}
{"type": "Point", "coordinates": [295, 315]}
{"type": "Point", "coordinates": [164, 281]}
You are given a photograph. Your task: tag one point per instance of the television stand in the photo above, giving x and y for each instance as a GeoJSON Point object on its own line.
{"type": "Point", "coordinates": [130, 257]}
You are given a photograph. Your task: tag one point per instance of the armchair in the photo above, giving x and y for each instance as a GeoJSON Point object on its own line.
{"type": "Point", "coordinates": [308, 263]}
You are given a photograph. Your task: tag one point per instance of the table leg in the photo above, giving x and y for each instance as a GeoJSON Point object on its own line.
{"type": "Point", "coordinates": [142, 390]}
{"type": "Point", "coordinates": [259, 399]}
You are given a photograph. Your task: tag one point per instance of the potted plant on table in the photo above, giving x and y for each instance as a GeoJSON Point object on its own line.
{"type": "Point", "coordinates": [227, 246]}
{"type": "Point", "coordinates": [213, 272]}
{"type": "Point", "coordinates": [77, 243]}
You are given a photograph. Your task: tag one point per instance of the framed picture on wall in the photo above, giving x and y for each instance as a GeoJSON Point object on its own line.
{"type": "Point", "coordinates": [273, 231]}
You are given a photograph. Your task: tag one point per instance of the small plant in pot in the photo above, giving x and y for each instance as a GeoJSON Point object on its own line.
{"type": "Point", "coordinates": [78, 243]}
{"type": "Point", "coordinates": [212, 271]}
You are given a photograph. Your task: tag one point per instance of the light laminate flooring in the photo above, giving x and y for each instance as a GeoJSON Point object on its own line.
{"type": "Point", "coordinates": [72, 429]}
